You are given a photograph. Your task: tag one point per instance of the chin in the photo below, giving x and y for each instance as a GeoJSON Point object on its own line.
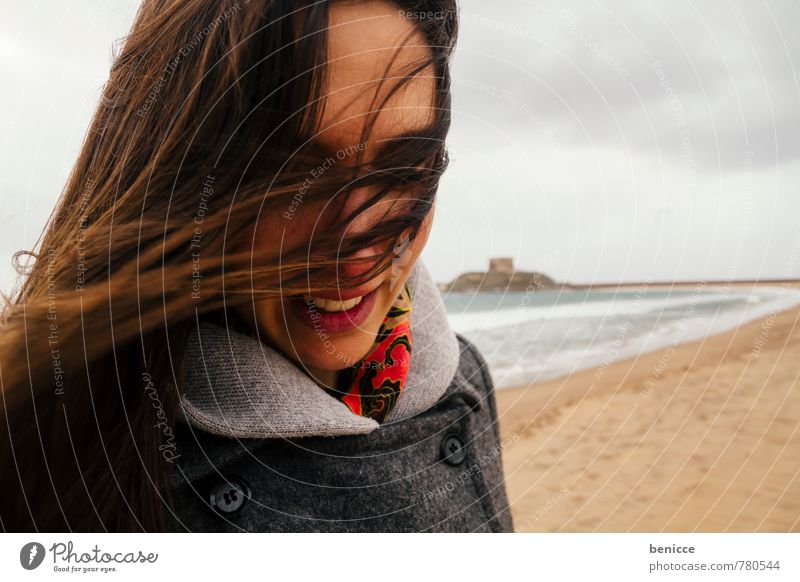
{"type": "Point", "coordinates": [342, 357]}
{"type": "Point", "coordinates": [335, 352]}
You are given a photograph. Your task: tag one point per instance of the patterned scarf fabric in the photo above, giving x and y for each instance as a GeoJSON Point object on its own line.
{"type": "Point", "coordinates": [372, 386]}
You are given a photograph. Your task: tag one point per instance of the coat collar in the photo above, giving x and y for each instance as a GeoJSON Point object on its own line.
{"type": "Point", "coordinates": [236, 386]}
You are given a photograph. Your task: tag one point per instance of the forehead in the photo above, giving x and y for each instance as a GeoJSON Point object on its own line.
{"type": "Point", "coordinates": [372, 48]}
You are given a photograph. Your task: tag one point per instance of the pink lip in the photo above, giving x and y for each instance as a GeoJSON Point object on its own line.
{"type": "Point", "coordinates": [333, 322]}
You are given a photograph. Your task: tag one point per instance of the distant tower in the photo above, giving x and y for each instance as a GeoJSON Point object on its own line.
{"type": "Point", "coordinates": [504, 265]}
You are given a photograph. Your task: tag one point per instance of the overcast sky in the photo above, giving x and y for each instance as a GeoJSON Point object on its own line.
{"type": "Point", "coordinates": [596, 143]}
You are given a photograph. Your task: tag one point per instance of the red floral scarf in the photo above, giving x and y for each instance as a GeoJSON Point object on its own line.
{"type": "Point", "coordinates": [372, 386]}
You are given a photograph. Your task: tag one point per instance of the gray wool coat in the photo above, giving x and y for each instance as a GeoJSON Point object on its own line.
{"type": "Point", "coordinates": [261, 448]}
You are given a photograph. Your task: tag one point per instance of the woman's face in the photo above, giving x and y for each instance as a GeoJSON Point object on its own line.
{"type": "Point", "coordinates": [338, 328]}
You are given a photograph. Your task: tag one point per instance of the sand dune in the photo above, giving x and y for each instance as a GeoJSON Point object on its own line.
{"type": "Point", "coordinates": [702, 437]}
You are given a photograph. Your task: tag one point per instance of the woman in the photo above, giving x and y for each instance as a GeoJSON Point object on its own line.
{"type": "Point", "coordinates": [226, 326]}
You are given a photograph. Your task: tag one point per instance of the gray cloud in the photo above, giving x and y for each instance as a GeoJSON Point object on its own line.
{"type": "Point", "coordinates": [617, 147]}
{"type": "Point", "coordinates": [567, 142]}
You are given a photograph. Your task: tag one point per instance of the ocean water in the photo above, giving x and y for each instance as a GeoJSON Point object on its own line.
{"type": "Point", "coordinates": [527, 337]}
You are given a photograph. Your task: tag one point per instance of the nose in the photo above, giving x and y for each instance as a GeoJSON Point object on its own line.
{"type": "Point", "coordinates": [348, 270]}
{"type": "Point", "coordinates": [363, 222]}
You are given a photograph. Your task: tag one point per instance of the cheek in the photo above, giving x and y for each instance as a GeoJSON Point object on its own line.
{"type": "Point", "coordinates": [288, 229]}
{"type": "Point", "coordinates": [425, 231]}
{"type": "Point", "coordinates": [402, 265]}
{"type": "Point", "coordinates": [276, 232]}
{"type": "Point", "coordinates": [415, 249]}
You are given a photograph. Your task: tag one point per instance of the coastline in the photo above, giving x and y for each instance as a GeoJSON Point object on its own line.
{"type": "Point", "coordinates": [702, 436]}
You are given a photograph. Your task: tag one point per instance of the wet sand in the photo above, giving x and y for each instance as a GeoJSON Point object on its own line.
{"type": "Point", "coordinates": [701, 437]}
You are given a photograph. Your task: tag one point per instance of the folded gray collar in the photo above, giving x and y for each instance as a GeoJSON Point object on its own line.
{"type": "Point", "coordinates": [237, 386]}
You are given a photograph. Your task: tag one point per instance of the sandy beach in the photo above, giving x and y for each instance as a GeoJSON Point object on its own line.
{"type": "Point", "coordinates": [701, 437]}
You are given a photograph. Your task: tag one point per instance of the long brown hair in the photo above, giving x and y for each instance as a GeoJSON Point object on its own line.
{"type": "Point", "coordinates": [202, 127]}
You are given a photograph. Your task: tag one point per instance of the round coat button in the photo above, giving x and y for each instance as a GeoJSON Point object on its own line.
{"type": "Point", "coordinates": [453, 451]}
{"type": "Point", "coordinates": [229, 495]}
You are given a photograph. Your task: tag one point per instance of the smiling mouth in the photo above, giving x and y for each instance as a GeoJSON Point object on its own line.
{"type": "Point", "coordinates": [332, 305]}
{"type": "Point", "coordinates": [331, 315]}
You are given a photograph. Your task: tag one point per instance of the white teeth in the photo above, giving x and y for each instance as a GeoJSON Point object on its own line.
{"type": "Point", "coordinates": [332, 304]}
